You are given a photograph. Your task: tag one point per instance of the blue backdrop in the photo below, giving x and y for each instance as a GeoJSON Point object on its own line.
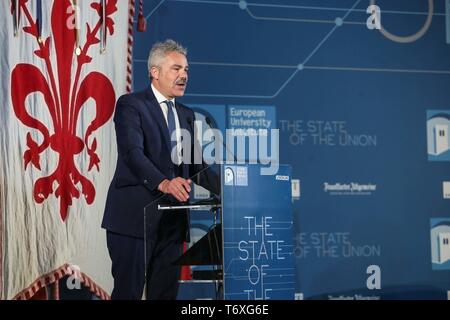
{"type": "Point", "coordinates": [364, 122]}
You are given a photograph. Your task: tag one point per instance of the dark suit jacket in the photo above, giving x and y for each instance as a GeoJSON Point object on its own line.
{"type": "Point", "coordinates": [143, 162]}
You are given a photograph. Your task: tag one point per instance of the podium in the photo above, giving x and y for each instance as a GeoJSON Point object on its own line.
{"type": "Point", "coordinates": [250, 248]}
{"type": "Point", "coordinates": [205, 252]}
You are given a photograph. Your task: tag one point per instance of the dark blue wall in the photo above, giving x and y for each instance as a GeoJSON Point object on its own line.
{"type": "Point", "coordinates": [295, 55]}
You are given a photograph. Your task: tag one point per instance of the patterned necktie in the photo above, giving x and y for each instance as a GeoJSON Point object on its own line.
{"type": "Point", "coordinates": [171, 126]}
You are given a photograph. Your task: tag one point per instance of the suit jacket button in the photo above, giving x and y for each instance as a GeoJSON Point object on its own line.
{"type": "Point", "coordinates": [145, 181]}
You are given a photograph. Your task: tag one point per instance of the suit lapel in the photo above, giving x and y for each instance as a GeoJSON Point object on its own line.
{"type": "Point", "coordinates": [182, 118]}
{"type": "Point", "coordinates": [156, 112]}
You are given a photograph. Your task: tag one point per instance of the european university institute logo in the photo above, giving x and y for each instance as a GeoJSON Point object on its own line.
{"type": "Point", "coordinates": [440, 243]}
{"type": "Point", "coordinates": [438, 137]}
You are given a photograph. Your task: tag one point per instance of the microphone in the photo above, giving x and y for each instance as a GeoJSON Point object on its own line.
{"type": "Point", "coordinates": [198, 150]}
{"type": "Point", "coordinates": [191, 125]}
{"type": "Point", "coordinates": [209, 122]}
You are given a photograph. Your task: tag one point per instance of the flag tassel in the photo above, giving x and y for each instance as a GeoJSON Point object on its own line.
{"type": "Point", "coordinates": [142, 21]}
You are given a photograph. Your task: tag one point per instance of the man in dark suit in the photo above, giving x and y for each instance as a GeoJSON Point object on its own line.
{"type": "Point", "coordinates": [151, 169]}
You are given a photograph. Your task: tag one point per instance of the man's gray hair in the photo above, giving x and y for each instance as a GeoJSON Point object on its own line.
{"type": "Point", "coordinates": [161, 49]}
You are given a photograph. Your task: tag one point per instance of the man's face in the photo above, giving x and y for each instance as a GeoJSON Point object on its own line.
{"type": "Point", "coordinates": [171, 77]}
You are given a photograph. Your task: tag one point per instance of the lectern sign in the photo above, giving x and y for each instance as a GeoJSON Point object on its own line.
{"type": "Point", "coordinates": [258, 234]}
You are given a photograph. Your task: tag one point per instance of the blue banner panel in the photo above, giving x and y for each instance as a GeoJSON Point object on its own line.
{"type": "Point", "coordinates": [252, 124]}
{"type": "Point", "coordinates": [257, 234]}
{"type": "Point", "coordinates": [364, 122]}
{"type": "Point", "coordinates": [447, 19]}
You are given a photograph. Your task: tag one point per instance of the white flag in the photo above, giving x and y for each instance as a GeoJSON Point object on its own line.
{"type": "Point", "coordinates": [63, 65]}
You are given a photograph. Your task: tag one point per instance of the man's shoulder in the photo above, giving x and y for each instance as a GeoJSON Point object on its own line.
{"type": "Point", "coordinates": [184, 107]}
{"type": "Point", "coordinates": [133, 96]}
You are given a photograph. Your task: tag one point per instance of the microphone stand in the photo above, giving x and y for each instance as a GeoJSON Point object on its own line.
{"type": "Point", "coordinates": [227, 150]}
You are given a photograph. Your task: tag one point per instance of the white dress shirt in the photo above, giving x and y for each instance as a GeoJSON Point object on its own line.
{"type": "Point", "coordinates": [161, 100]}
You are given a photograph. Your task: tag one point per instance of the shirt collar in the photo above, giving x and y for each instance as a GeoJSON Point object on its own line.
{"type": "Point", "coordinates": [159, 97]}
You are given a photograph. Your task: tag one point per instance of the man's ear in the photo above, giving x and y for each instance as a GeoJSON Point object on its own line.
{"type": "Point", "coordinates": [154, 72]}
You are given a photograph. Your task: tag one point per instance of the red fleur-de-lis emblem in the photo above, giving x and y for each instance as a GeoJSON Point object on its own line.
{"type": "Point", "coordinates": [65, 95]}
